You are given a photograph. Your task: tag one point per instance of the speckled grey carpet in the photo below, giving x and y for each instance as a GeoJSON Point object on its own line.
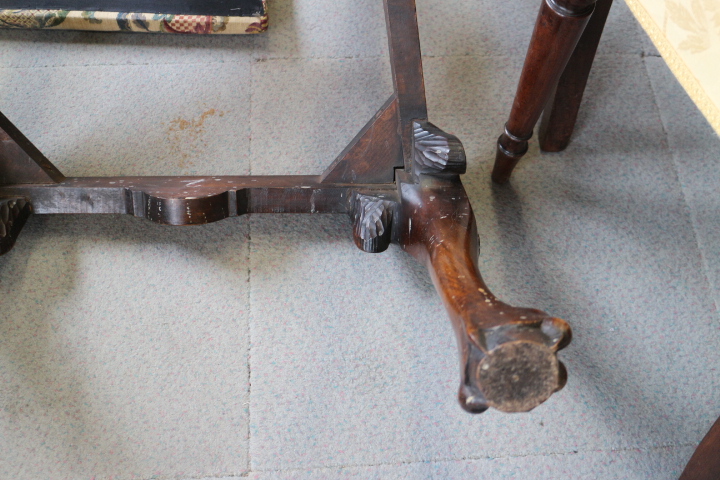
{"type": "Point", "coordinates": [270, 347]}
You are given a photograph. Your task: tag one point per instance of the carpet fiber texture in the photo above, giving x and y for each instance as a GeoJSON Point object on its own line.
{"type": "Point", "coordinates": [270, 347]}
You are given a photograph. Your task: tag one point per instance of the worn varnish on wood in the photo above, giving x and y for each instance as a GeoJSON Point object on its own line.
{"type": "Point", "coordinates": [398, 181]}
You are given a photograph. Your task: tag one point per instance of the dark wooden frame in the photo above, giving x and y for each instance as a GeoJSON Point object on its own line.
{"type": "Point", "coordinates": [398, 180]}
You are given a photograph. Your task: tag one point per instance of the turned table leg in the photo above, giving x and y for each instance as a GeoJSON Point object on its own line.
{"type": "Point", "coordinates": [557, 30]}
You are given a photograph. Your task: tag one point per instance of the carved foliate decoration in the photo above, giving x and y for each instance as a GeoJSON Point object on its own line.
{"type": "Point", "coordinates": [13, 214]}
{"type": "Point", "coordinates": [372, 222]}
{"type": "Point", "coordinates": [435, 151]}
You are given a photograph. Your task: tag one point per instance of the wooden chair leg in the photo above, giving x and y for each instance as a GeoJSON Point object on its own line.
{"type": "Point", "coordinates": [705, 462]}
{"type": "Point", "coordinates": [508, 355]}
{"type": "Point", "coordinates": [559, 26]}
{"type": "Point", "coordinates": [558, 121]}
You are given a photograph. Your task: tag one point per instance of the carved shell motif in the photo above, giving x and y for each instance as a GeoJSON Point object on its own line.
{"type": "Point", "coordinates": [436, 151]}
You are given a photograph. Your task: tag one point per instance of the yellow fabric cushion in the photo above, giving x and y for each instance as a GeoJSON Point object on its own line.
{"type": "Point", "coordinates": [687, 35]}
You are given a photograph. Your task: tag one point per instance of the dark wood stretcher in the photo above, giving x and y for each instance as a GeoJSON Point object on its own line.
{"type": "Point", "coordinates": [398, 180]}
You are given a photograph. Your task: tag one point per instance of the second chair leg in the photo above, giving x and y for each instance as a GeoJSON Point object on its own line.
{"type": "Point", "coordinates": [559, 26]}
{"type": "Point", "coordinates": [558, 120]}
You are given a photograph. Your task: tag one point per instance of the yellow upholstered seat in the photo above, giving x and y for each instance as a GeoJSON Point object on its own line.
{"type": "Point", "coordinates": [687, 35]}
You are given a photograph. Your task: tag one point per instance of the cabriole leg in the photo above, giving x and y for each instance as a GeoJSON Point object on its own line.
{"type": "Point", "coordinates": [508, 355]}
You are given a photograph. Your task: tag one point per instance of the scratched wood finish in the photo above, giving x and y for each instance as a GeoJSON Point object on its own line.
{"type": "Point", "coordinates": [398, 181]}
{"type": "Point", "coordinates": [557, 30]}
{"type": "Point", "coordinates": [191, 200]}
{"type": "Point", "coordinates": [558, 119]}
{"type": "Point", "coordinates": [508, 355]}
{"type": "Point", "coordinates": [705, 462]}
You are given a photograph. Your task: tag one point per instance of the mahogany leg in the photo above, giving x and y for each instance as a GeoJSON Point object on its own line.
{"type": "Point", "coordinates": [705, 462]}
{"type": "Point", "coordinates": [558, 120]}
{"type": "Point", "coordinates": [557, 30]}
{"type": "Point", "coordinates": [508, 355]}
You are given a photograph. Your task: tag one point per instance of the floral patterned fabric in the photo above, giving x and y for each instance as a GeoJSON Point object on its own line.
{"type": "Point", "coordinates": [132, 22]}
{"type": "Point", "coordinates": [687, 35]}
